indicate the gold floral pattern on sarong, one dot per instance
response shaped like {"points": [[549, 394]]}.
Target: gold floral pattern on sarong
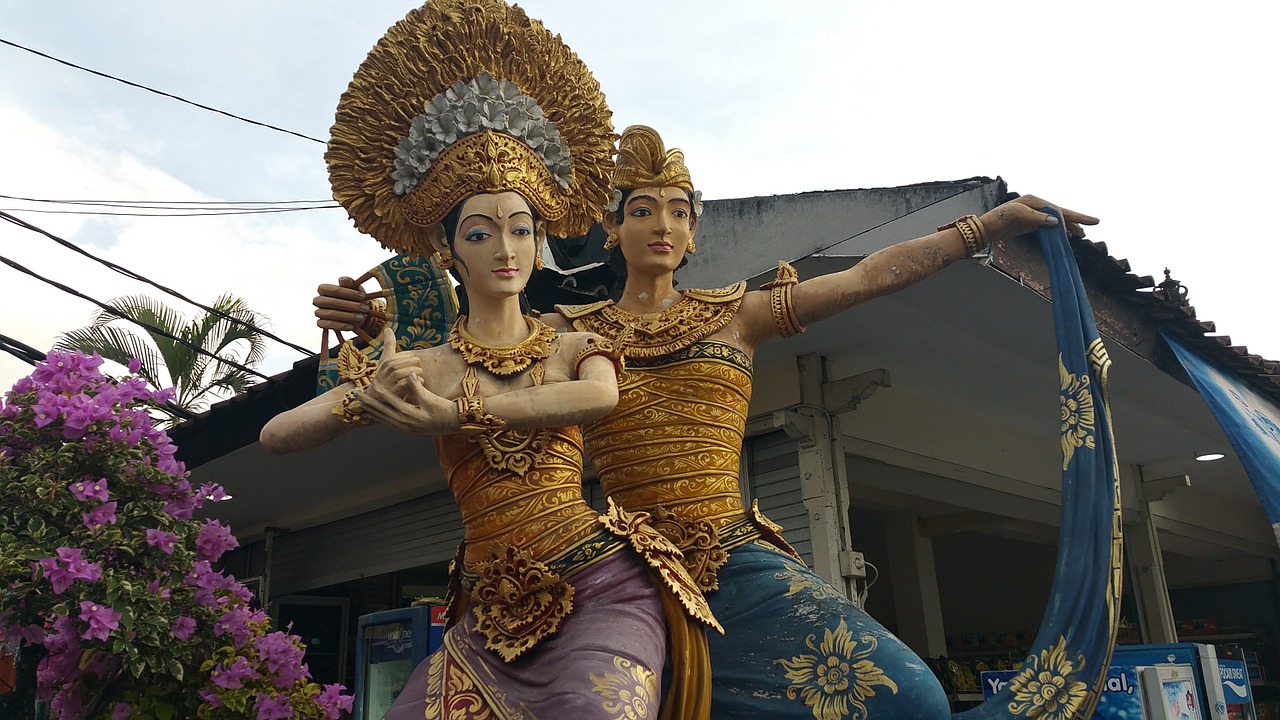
{"points": [[772, 531], [662, 556], [800, 581], [518, 601], [1078, 420], [629, 693], [698, 541], [1046, 688], [448, 679], [836, 680]]}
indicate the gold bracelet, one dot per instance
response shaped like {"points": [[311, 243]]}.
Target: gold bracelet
{"points": [[376, 319], [972, 231], [473, 419]]}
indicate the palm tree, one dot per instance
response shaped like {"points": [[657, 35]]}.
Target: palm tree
{"points": [[197, 378]]}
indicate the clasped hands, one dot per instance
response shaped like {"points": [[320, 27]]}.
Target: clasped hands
{"points": [[397, 395]]}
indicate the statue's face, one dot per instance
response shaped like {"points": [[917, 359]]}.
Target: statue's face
{"points": [[657, 225], [495, 244]]}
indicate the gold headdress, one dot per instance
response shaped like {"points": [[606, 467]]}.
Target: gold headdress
{"points": [[464, 97], [643, 161]]}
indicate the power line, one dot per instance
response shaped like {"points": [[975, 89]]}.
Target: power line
{"points": [[210, 213], [159, 92], [178, 203], [135, 276], [150, 328]]}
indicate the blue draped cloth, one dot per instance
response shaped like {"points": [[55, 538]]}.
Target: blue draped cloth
{"points": [[1062, 677], [1250, 421]]}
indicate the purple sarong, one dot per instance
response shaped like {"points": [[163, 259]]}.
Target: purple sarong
{"points": [[605, 661]]}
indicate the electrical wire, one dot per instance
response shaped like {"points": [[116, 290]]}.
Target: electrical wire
{"points": [[135, 276], [151, 203], [212, 213], [159, 92], [150, 328]]}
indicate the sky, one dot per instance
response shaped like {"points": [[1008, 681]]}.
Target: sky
{"points": [[1155, 117]]}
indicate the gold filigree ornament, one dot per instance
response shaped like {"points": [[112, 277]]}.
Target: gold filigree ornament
{"points": [[1077, 412], [629, 693], [503, 360], [1046, 688], [358, 369], [838, 678], [464, 97], [518, 601], [698, 541], [661, 555]]}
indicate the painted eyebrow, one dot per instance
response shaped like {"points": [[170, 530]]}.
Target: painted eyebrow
{"points": [[479, 215], [634, 198]]}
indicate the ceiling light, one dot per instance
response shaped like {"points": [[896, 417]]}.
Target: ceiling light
{"points": [[1209, 456]]}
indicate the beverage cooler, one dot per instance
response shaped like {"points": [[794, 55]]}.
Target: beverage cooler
{"points": [[389, 645]]}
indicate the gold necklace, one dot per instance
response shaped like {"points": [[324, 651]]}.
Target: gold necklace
{"points": [[503, 360]]}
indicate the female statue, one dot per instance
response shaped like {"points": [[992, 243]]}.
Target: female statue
{"points": [[500, 133]]}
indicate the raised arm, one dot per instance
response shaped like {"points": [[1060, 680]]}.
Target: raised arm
{"points": [[901, 265]]}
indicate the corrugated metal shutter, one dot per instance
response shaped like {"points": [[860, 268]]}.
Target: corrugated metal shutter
{"points": [[773, 478], [416, 532]]}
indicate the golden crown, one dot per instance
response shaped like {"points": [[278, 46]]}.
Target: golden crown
{"points": [[464, 97], [643, 161]]}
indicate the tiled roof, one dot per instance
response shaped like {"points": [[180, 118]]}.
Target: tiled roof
{"points": [[1161, 303]]}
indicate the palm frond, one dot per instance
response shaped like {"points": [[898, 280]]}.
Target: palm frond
{"points": [[118, 345]]}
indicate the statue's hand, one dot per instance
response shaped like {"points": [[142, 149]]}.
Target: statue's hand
{"points": [[341, 307], [398, 397], [1022, 215]]}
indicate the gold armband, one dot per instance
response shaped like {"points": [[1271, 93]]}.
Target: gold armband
{"points": [[473, 419], [601, 347], [780, 303], [970, 227], [349, 411]]}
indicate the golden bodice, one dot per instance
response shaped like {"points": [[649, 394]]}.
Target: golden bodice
{"points": [[540, 510], [675, 438]]}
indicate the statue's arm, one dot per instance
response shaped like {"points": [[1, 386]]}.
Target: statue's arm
{"points": [[307, 426], [898, 266], [400, 399]]}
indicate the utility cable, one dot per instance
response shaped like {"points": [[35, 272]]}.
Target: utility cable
{"points": [[159, 92], [154, 203], [135, 276], [211, 213], [150, 328]]}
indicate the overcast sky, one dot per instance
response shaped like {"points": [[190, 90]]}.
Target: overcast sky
{"points": [[1156, 117]]}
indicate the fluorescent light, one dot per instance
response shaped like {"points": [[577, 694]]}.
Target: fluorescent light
{"points": [[1209, 456]]}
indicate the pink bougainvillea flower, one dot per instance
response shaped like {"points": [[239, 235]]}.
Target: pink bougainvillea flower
{"points": [[332, 702], [101, 620], [270, 708], [183, 626], [161, 539], [104, 514], [214, 540], [87, 489], [121, 711], [233, 677], [68, 567]]}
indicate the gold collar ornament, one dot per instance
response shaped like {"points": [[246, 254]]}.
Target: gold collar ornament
{"points": [[464, 97], [503, 360]]}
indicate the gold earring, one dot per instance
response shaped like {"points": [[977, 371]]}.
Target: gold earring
{"points": [[444, 259], [537, 263], [692, 248], [611, 241]]}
